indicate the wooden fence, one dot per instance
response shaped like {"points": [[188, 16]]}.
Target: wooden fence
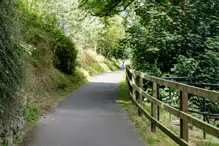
{"points": [[156, 104]]}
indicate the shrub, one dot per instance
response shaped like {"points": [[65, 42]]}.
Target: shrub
{"points": [[38, 29], [203, 69], [65, 52]]}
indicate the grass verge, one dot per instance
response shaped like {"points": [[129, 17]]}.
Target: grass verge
{"points": [[143, 125]]}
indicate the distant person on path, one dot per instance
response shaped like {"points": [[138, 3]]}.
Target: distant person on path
{"points": [[123, 65]]}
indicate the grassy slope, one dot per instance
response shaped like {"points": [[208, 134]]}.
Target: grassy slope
{"points": [[142, 125], [47, 85]]}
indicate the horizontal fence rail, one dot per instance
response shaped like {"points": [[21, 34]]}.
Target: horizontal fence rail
{"points": [[156, 104]]}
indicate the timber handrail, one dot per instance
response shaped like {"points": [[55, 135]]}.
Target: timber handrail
{"points": [[182, 112]]}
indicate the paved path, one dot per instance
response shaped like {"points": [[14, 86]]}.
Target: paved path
{"points": [[91, 116]]}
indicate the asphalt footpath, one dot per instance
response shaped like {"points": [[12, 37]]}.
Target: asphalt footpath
{"points": [[91, 116]]}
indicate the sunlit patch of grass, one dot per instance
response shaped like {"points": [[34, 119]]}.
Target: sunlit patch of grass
{"points": [[92, 63]]}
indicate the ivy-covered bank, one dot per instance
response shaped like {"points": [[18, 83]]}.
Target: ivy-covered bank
{"points": [[12, 73]]}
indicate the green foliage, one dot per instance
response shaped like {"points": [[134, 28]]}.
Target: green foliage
{"points": [[204, 69], [105, 8], [171, 37], [65, 52], [40, 29], [185, 66], [181, 39], [4, 143], [42, 35], [12, 71], [109, 40], [183, 34], [208, 68], [87, 32], [31, 113], [197, 104]]}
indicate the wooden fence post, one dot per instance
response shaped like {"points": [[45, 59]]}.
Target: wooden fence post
{"points": [[158, 97], [204, 116], [170, 95], [127, 80], [153, 108], [184, 131], [133, 81], [140, 95]]}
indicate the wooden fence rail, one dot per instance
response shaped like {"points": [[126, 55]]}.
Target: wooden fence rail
{"points": [[182, 112]]}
